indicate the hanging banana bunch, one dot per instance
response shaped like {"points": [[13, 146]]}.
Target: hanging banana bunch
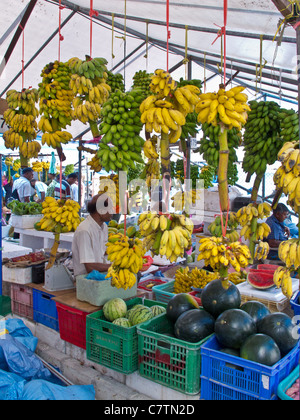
{"points": [[21, 117]]}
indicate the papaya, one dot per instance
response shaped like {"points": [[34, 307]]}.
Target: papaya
{"points": [[113, 224]]}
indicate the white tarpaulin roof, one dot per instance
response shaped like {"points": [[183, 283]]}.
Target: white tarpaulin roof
{"points": [[248, 22]]}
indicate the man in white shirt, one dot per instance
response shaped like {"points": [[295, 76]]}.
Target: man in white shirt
{"points": [[91, 236], [40, 188], [22, 187], [73, 181]]}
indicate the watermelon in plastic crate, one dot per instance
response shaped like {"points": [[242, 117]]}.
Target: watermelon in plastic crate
{"points": [[227, 377], [111, 345]]}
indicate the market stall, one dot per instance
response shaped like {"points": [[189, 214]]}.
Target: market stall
{"points": [[182, 295]]}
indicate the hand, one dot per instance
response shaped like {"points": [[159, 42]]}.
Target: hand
{"points": [[287, 232]]}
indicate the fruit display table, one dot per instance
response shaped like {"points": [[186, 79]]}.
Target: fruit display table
{"points": [[42, 240]]}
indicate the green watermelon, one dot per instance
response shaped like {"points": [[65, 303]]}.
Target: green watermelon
{"points": [[132, 309], [122, 322], [157, 310], [140, 314], [114, 309]]}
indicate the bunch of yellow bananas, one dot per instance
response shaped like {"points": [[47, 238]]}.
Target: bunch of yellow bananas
{"points": [[262, 251], [60, 216], [46, 166], [167, 236], [186, 99], [229, 107], [95, 164], [287, 177], [186, 279], [162, 83], [110, 186], [289, 253], [9, 162], [183, 200], [218, 252], [237, 278], [150, 150], [283, 279], [247, 213], [126, 256], [38, 168], [55, 104], [21, 118], [85, 111], [17, 165], [262, 232], [232, 236]]}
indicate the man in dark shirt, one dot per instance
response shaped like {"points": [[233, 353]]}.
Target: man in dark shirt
{"points": [[65, 192], [279, 232]]}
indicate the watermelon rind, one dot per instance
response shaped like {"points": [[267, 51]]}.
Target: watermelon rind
{"points": [[157, 310], [114, 309], [140, 315], [122, 322], [267, 284]]}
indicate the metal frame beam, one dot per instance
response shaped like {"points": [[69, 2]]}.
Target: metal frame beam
{"points": [[17, 35], [12, 26], [38, 52]]}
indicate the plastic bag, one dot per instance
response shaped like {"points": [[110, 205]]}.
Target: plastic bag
{"points": [[96, 275], [40, 390], [21, 360], [11, 386], [18, 330]]}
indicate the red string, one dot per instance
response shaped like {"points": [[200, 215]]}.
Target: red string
{"points": [[92, 14], [221, 33], [168, 32], [61, 38], [224, 228]]}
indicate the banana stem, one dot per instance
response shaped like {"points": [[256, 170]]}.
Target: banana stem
{"points": [[222, 169], [53, 252], [253, 238], [223, 272], [166, 168], [24, 161], [255, 188], [94, 129]]}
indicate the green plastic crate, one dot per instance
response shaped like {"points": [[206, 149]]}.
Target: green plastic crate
{"points": [[5, 305], [287, 383], [167, 360], [164, 292], [111, 345]]}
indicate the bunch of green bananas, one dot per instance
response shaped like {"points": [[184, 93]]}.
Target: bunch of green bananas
{"points": [[121, 127], [191, 128], [165, 235], [207, 173], [142, 80], [116, 81], [179, 170], [283, 279], [21, 118], [287, 177], [89, 85], [55, 104], [215, 228], [262, 140], [195, 82], [219, 252], [289, 121], [210, 146], [89, 68]]}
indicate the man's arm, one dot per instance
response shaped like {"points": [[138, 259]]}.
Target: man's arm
{"points": [[102, 268], [273, 243]]}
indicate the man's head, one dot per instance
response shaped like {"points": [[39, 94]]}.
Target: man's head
{"points": [[33, 182], [281, 212], [51, 176], [27, 173], [101, 207], [72, 178]]}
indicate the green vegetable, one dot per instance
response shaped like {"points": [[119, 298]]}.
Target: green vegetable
{"points": [[24, 209]]}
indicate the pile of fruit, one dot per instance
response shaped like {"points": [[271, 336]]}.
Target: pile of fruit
{"points": [[121, 144], [89, 86], [38, 167], [115, 227], [126, 256], [55, 104], [207, 174], [219, 252], [167, 236], [142, 80], [184, 200], [115, 81], [21, 118], [33, 257], [60, 216], [117, 312], [24, 209], [185, 279], [262, 139]]}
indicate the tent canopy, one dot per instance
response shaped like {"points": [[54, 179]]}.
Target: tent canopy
{"points": [[124, 32]]}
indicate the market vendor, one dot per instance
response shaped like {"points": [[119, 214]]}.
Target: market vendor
{"points": [[22, 187], [91, 236], [279, 232]]}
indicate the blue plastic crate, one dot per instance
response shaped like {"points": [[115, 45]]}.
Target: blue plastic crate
{"points": [[44, 309], [295, 304], [164, 292], [226, 377]]}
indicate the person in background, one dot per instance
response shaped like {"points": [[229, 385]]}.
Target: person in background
{"points": [[22, 186], [51, 185], [8, 188], [279, 232], [73, 182], [65, 193], [40, 189], [90, 238], [294, 231]]}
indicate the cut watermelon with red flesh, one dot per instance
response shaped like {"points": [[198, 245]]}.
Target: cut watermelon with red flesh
{"points": [[261, 280], [269, 267]]}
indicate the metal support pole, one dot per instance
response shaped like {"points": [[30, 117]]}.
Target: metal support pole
{"points": [[79, 174]]}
